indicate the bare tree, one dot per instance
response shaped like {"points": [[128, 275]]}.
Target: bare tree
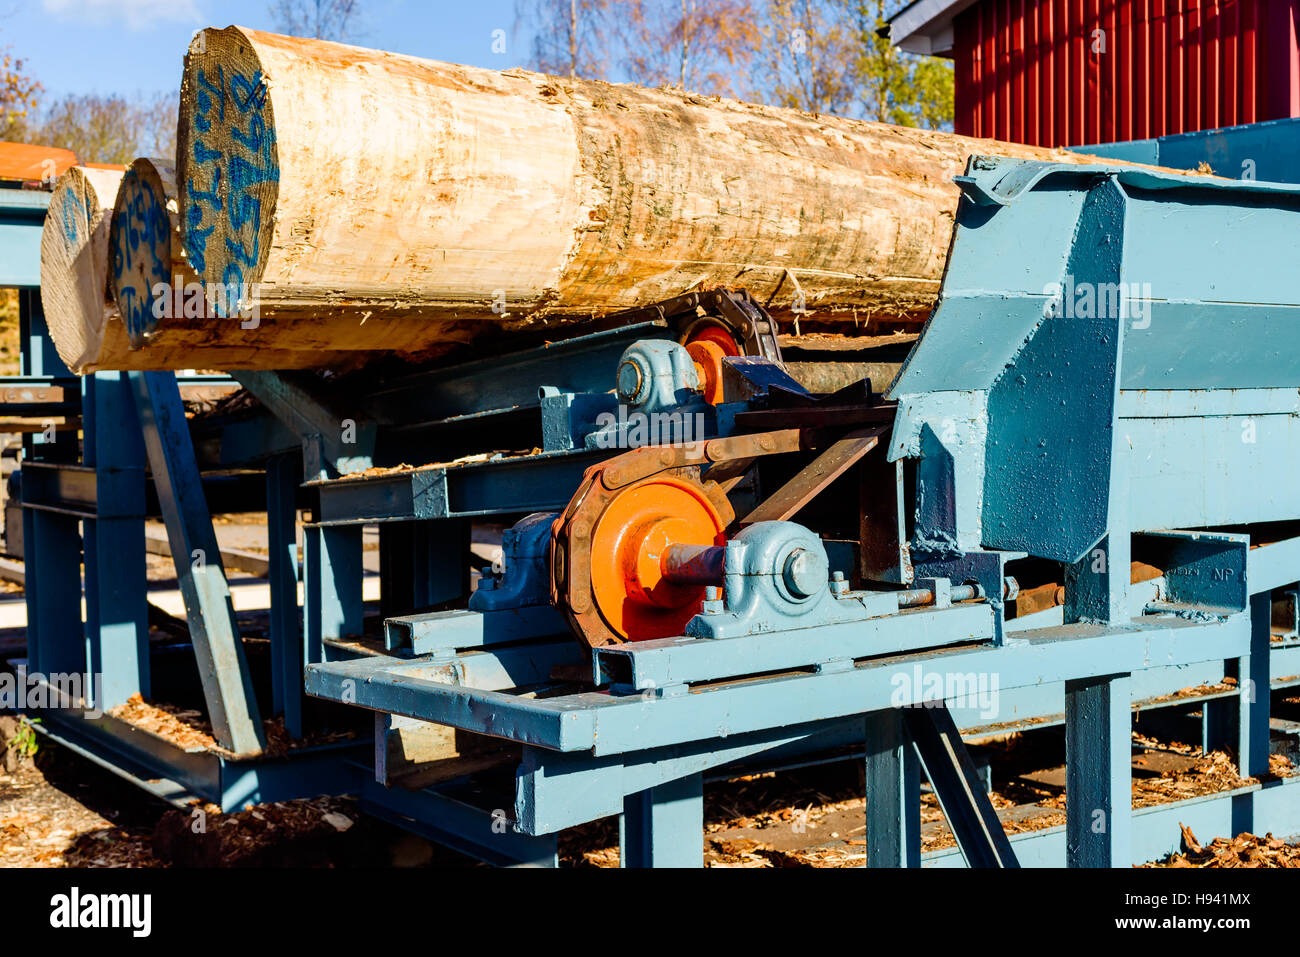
{"points": [[98, 128], [109, 128], [572, 37], [811, 50], [317, 19], [700, 45], [159, 116]]}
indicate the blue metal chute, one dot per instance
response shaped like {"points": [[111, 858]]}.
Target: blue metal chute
{"points": [[1072, 292]]}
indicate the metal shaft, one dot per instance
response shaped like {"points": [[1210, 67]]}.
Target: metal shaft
{"points": [[694, 564]]}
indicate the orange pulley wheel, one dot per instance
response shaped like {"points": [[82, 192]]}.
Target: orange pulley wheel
{"points": [[708, 343], [717, 334], [629, 548]]}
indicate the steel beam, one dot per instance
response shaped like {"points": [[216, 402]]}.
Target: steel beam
{"points": [[663, 826], [345, 442], [117, 615], [612, 724], [893, 785], [52, 559], [1099, 771], [962, 794], [283, 475], [1253, 685], [332, 577]]}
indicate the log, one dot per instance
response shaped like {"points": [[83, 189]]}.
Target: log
{"points": [[82, 317], [79, 241], [146, 250], [374, 202], [167, 316]]}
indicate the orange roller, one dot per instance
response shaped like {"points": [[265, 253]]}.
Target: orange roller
{"points": [[628, 545]]}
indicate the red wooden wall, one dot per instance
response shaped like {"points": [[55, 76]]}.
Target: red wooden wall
{"points": [[1038, 72]]}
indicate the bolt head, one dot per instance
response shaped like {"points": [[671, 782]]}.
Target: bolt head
{"points": [[630, 378], [805, 572]]}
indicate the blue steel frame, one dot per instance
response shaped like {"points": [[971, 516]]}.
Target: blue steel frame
{"points": [[92, 499]]}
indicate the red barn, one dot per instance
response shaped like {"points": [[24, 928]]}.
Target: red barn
{"points": [[1073, 72]]}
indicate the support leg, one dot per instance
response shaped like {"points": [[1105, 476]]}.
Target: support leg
{"points": [[283, 475], [1253, 682], [117, 610], [893, 793], [1098, 772], [332, 578], [52, 544], [664, 826], [117, 616]]}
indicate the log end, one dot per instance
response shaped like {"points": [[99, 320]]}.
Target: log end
{"points": [[228, 166], [74, 267], [141, 243]]}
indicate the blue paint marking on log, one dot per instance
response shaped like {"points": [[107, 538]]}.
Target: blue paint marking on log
{"points": [[143, 231], [230, 201], [69, 223]]}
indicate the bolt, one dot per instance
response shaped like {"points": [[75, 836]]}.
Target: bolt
{"points": [[630, 378], [713, 604], [805, 572]]}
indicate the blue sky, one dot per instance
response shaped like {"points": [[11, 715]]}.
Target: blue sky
{"points": [[124, 46]]}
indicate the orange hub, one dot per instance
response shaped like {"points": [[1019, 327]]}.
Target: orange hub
{"points": [[708, 356], [627, 552]]}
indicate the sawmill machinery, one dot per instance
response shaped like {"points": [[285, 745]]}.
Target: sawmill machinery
{"points": [[1104, 367], [707, 566]]}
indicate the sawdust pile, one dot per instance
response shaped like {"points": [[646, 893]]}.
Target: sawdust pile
{"points": [[1244, 850], [188, 729], [182, 727]]}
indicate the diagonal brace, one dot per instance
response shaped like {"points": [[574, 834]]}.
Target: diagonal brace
{"points": [[821, 472], [227, 684], [958, 787]]}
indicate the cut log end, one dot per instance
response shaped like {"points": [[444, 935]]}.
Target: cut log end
{"points": [[228, 163], [83, 321], [144, 246]]}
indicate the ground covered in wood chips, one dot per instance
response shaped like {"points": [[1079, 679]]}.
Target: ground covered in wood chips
{"points": [[63, 811], [814, 817], [1244, 850]]}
